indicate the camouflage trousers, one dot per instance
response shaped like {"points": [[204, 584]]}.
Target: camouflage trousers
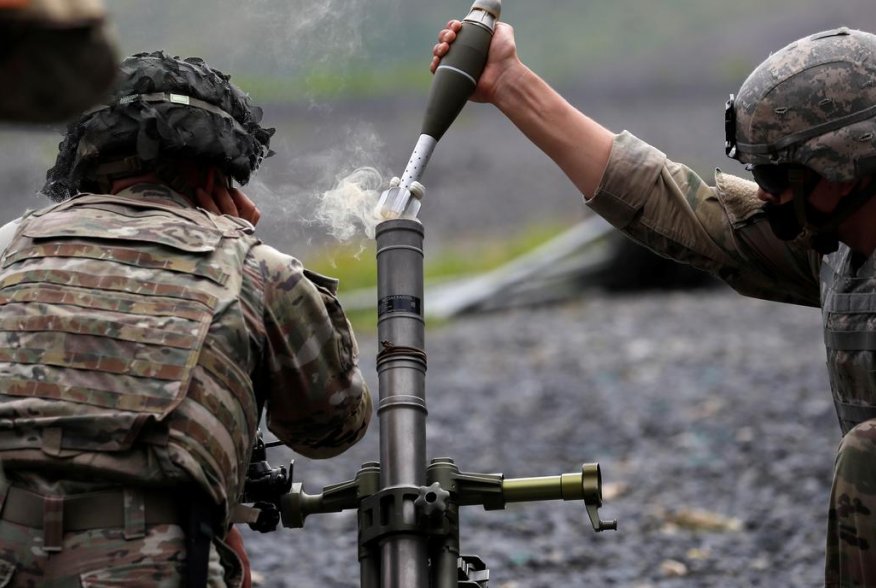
{"points": [[103, 558], [851, 534]]}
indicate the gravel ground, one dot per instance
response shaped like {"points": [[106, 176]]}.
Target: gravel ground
{"points": [[709, 414]]}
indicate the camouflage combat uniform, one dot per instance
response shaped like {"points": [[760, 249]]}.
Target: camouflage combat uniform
{"points": [[139, 337], [722, 229]]}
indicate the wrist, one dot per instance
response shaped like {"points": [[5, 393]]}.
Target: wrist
{"points": [[512, 88]]}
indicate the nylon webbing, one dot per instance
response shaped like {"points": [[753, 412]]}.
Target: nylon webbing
{"points": [[168, 97], [785, 142], [850, 340], [851, 415]]}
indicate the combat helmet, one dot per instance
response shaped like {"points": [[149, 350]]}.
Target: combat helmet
{"points": [[162, 109], [812, 103], [57, 58]]}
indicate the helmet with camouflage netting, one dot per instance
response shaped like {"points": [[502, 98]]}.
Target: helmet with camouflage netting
{"points": [[163, 109], [812, 103]]}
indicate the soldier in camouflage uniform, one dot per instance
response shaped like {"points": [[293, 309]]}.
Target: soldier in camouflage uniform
{"points": [[57, 58], [803, 232], [142, 334]]}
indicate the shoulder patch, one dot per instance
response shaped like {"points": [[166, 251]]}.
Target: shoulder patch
{"points": [[738, 196]]}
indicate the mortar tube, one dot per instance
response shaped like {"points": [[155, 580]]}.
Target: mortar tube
{"points": [[401, 369]]}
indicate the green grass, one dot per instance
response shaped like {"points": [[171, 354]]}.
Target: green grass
{"points": [[356, 266], [329, 84], [564, 40]]}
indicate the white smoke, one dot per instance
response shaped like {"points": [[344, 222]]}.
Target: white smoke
{"points": [[318, 32], [347, 193], [350, 206], [330, 182], [310, 196]]}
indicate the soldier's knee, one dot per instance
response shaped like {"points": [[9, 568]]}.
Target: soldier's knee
{"points": [[857, 450]]}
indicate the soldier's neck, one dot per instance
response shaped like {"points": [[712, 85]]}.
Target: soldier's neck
{"points": [[122, 183], [857, 231]]}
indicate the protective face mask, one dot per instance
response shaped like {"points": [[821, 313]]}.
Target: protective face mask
{"points": [[784, 224], [783, 220]]}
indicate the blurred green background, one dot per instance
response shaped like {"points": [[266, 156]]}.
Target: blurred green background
{"points": [[304, 49], [344, 82]]}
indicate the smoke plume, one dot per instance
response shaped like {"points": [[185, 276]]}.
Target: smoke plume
{"points": [[349, 207], [332, 185], [313, 33]]}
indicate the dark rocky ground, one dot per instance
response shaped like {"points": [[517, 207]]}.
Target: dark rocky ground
{"points": [[709, 414]]}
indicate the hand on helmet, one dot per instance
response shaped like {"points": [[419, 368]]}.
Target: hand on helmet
{"points": [[219, 197]]}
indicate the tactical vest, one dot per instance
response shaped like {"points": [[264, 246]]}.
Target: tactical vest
{"points": [[124, 352], [848, 303]]}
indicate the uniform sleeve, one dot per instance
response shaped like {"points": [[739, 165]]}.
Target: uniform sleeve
{"points": [[7, 232], [668, 208], [317, 401]]}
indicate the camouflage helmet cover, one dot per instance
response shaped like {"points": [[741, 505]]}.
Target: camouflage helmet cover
{"points": [[163, 108], [811, 103]]}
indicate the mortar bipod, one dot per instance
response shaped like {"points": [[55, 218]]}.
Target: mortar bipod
{"points": [[437, 510]]}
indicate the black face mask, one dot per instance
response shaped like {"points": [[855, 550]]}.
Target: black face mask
{"points": [[783, 220], [785, 225]]}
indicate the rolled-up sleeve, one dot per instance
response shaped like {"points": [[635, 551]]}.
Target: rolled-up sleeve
{"points": [[721, 229]]}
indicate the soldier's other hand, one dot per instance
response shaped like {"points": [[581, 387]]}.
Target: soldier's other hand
{"points": [[219, 198], [246, 208]]}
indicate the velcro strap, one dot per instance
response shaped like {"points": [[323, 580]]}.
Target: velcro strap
{"points": [[852, 415], [53, 523], [850, 340], [94, 510], [135, 514]]}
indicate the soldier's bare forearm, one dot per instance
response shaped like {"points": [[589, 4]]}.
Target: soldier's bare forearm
{"points": [[576, 143]]}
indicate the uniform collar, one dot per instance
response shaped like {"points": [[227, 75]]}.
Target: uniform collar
{"points": [[150, 191]]}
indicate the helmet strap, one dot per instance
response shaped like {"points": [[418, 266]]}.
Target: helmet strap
{"points": [[170, 174], [104, 174], [167, 171]]}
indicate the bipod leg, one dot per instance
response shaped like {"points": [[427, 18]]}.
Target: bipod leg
{"points": [[369, 568], [450, 569], [444, 548], [444, 552]]}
